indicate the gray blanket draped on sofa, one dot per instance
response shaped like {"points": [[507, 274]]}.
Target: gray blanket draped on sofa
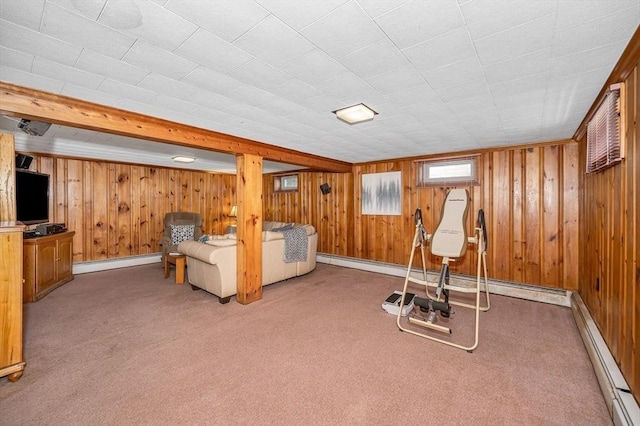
{"points": [[296, 243]]}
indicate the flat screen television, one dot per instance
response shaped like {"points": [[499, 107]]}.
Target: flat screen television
{"points": [[32, 197]]}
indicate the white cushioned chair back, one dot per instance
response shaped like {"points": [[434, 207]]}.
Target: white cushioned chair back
{"points": [[450, 236]]}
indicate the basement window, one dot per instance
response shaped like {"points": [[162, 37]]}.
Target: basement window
{"points": [[603, 133], [285, 183], [448, 172]]}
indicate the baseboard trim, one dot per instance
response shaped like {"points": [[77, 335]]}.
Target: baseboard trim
{"points": [[621, 404], [121, 262], [521, 291]]}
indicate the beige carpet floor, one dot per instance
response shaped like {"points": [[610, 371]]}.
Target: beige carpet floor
{"points": [[127, 347]]}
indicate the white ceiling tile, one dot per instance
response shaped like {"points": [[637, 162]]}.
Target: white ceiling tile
{"points": [[350, 88], [518, 111], [167, 86], [377, 58], [512, 69], [468, 117], [298, 14], [88, 8], [396, 80], [282, 107], [211, 80], [314, 67], [485, 18], [34, 43], [601, 57], [343, 31], [14, 59], [88, 95], [260, 74], [108, 67], [212, 52], [147, 21], [531, 84], [274, 42], [375, 8], [25, 13], [296, 91], [509, 100], [575, 12], [515, 42], [56, 71], [154, 59], [251, 95], [83, 32], [416, 21], [227, 19], [126, 91], [279, 86], [28, 79], [577, 81], [443, 50], [174, 105], [208, 99], [414, 95], [610, 29], [479, 103], [454, 74]]}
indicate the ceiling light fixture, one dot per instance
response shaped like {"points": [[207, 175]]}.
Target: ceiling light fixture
{"points": [[181, 159], [355, 114]]}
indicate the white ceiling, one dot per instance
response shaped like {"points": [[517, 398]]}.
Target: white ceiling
{"points": [[444, 75]]}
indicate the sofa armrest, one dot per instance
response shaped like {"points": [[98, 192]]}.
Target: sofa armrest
{"points": [[165, 241]]}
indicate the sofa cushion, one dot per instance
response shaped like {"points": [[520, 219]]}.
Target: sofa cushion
{"points": [[222, 242], [180, 233]]}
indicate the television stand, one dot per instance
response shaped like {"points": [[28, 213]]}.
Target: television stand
{"points": [[48, 264]]}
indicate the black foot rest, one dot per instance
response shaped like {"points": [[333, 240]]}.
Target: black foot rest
{"points": [[428, 305]]}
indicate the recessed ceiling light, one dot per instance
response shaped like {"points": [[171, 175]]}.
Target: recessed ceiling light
{"points": [[181, 159], [355, 114]]}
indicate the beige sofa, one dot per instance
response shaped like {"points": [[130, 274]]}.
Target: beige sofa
{"points": [[211, 266]]}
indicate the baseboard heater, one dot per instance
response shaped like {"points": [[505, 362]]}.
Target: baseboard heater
{"points": [[622, 406]]}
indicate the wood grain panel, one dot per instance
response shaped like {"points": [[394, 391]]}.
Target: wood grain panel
{"points": [[7, 178], [532, 230], [609, 256], [117, 210]]}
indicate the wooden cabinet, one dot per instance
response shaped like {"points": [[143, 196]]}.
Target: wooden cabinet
{"points": [[11, 359], [48, 263]]}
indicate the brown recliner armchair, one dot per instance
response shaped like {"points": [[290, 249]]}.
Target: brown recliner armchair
{"points": [[179, 219]]}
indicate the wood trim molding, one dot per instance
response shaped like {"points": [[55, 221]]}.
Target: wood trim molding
{"points": [[621, 71], [23, 102]]}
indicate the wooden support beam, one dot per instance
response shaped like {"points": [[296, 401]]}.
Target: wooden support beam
{"points": [[249, 228], [7, 178], [23, 102]]}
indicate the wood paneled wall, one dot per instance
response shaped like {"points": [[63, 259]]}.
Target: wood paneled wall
{"points": [[331, 214], [609, 250], [528, 194], [117, 210]]}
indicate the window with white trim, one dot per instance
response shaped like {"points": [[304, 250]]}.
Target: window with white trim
{"points": [[448, 172], [603, 133], [285, 183]]}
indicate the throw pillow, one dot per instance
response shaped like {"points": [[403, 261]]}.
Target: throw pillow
{"points": [[180, 233], [283, 228]]}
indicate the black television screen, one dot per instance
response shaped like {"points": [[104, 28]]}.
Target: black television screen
{"points": [[32, 197]]}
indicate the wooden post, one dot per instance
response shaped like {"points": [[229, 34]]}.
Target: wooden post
{"points": [[7, 178], [249, 228]]}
